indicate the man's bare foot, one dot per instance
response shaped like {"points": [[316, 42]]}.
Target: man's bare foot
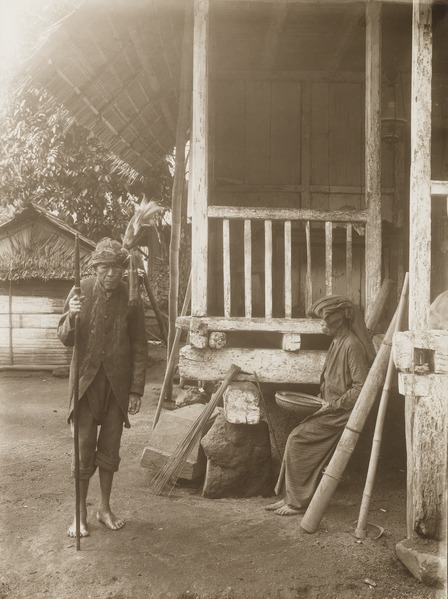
{"points": [[274, 506], [83, 531], [109, 520], [289, 510]]}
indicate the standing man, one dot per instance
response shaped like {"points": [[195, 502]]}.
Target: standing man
{"points": [[112, 361], [311, 444]]}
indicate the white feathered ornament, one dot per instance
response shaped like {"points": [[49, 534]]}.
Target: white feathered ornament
{"points": [[144, 217]]}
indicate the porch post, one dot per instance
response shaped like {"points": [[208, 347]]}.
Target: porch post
{"points": [[373, 151], [198, 184], [420, 183]]}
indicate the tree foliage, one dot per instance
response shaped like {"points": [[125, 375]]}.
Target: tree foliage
{"points": [[47, 158]]}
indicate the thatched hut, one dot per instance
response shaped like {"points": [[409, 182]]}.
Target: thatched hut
{"points": [[36, 273]]}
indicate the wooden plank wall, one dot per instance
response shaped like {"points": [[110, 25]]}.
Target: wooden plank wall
{"points": [[291, 143], [36, 309]]}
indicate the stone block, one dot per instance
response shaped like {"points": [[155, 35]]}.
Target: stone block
{"points": [[242, 403], [198, 340], [238, 460], [425, 560], [217, 340], [291, 342], [171, 429]]}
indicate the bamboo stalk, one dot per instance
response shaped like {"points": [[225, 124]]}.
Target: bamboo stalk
{"points": [[361, 529], [349, 259], [172, 358], [332, 475]]}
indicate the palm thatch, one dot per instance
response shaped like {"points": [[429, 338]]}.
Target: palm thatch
{"points": [[114, 64], [37, 245]]}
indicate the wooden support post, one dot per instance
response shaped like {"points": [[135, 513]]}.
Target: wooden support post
{"points": [[420, 192], [373, 151], [183, 123], [198, 185]]}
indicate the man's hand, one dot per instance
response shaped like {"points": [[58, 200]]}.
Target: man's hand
{"points": [[135, 401], [74, 305]]}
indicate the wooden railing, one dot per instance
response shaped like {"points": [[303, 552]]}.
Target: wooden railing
{"points": [[328, 219]]}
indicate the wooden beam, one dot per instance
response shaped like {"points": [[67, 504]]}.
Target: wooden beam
{"points": [[198, 187], [226, 268], [271, 365], [258, 75], [328, 258], [299, 326], [308, 276], [439, 188], [373, 152], [324, 2], [288, 269], [420, 183], [335, 216]]}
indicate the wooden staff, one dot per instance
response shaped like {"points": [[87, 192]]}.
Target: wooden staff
{"points": [[77, 290], [173, 356], [361, 529], [333, 472]]}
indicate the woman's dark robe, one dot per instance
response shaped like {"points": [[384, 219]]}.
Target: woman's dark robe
{"points": [[311, 444]]}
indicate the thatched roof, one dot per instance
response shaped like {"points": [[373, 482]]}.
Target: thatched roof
{"points": [[114, 64], [37, 245]]}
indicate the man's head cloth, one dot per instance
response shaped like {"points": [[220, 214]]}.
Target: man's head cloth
{"points": [[109, 251]]}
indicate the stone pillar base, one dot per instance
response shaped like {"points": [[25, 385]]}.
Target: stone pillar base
{"points": [[425, 560], [238, 460]]}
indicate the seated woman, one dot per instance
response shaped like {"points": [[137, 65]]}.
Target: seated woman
{"points": [[311, 444]]}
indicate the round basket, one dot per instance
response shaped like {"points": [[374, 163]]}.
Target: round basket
{"points": [[299, 404]]}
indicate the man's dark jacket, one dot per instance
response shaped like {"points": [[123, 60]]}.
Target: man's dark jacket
{"points": [[110, 332]]}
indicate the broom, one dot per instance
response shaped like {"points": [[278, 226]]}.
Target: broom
{"points": [[172, 468]]}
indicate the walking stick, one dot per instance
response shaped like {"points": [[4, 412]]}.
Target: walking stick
{"points": [[361, 529], [76, 399]]}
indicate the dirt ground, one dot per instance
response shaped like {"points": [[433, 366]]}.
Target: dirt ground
{"points": [[181, 546]]}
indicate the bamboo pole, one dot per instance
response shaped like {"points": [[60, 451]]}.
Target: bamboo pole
{"points": [[361, 529], [332, 475], [173, 356], [183, 121], [11, 346]]}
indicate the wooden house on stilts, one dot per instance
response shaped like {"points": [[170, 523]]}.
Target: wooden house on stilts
{"points": [[318, 158]]}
